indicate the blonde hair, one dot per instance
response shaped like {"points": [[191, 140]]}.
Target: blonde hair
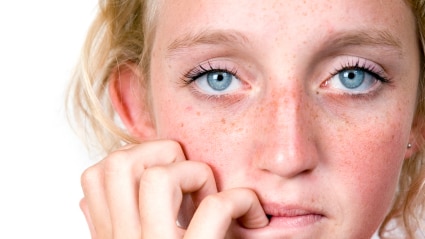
{"points": [[123, 32], [120, 34]]}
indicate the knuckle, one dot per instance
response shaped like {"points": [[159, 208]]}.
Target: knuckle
{"points": [[246, 193], [172, 146], [218, 203], [90, 177], [116, 162], [204, 168]]}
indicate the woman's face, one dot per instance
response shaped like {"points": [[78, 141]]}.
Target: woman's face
{"points": [[307, 103]]}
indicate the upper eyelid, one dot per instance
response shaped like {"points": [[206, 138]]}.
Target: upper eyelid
{"points": [[354, 62], [210, 66]]}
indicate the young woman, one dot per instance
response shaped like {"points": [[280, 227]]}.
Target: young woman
{"points": [[254, 119]]}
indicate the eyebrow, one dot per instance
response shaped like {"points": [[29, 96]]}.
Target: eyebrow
{"points": [[369, 38], [338, 40], [208, 37]]}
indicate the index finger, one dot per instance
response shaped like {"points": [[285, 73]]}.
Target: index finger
{"points": [[216, 213], [161, 193]]}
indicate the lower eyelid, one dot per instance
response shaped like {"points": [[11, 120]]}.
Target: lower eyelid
{"points": [[361, 93], [224, 100]]}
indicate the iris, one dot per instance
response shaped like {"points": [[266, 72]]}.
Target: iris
{"points": [[219, 80], [352, 78]]}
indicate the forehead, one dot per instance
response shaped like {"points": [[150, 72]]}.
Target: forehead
{"points": [[274, 19]]}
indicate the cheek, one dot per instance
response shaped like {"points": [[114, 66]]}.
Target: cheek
{"points": [[211, 136], [365, 165]]}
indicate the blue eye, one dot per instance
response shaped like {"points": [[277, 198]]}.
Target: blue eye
{"points": [[356, 76], [355, 81], [352, 78], [219, 80]]}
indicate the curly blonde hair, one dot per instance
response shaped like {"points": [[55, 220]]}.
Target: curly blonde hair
{"points": [[122, 33]]}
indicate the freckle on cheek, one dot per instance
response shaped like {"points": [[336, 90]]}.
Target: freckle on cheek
{"points": [[261, 109]]}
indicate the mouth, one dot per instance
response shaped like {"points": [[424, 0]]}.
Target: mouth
{"points": [[288, 220], [293, 221], [292, 217]]}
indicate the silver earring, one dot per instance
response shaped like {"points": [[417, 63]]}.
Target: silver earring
{"points": [[409, 145]]}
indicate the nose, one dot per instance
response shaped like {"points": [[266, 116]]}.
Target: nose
{"points": [[286, 143]]}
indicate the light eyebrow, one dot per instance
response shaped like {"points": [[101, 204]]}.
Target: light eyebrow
{"points": [[372, 38], [208, 37]]}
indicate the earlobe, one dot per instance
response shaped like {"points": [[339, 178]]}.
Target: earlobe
{"points": [[129, 98], [416, 139], [411, 149]]}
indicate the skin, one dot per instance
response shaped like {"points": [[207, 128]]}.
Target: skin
{"points": [[287, 143]]}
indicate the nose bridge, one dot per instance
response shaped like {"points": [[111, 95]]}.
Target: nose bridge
{"points": [[286, 107], [286, 144]]}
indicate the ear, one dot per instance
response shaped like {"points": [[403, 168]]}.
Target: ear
{"points": [[129, 97]]}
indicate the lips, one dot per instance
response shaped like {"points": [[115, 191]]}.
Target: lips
{"points": [[292, 216], [286, 221]]}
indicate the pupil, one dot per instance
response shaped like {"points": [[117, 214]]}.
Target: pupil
{"points": [[220, 77], [351, 75]]}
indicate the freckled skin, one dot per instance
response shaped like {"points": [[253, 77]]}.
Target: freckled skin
{"points": [[287, 139]]}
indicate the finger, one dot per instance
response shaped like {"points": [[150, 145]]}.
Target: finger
{"points": [[161, 192], [123, 170], [95, 204], [85, 209], [150, 153], [216, 212]]}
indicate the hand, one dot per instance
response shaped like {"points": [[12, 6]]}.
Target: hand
{"points": [[137, 191]]}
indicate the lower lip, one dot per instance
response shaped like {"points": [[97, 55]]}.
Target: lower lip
{"points": [[284, 227], [295, 221]]}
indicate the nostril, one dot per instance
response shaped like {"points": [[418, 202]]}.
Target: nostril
{"points": [[307, 171]]}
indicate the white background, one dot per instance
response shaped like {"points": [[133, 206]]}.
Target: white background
{"points": [[41, 159]]}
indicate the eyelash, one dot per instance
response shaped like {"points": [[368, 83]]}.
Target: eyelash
{"points": [[370, 69], [202, 70]]}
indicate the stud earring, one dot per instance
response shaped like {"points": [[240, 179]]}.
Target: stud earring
{"points": [[409, 145]]}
